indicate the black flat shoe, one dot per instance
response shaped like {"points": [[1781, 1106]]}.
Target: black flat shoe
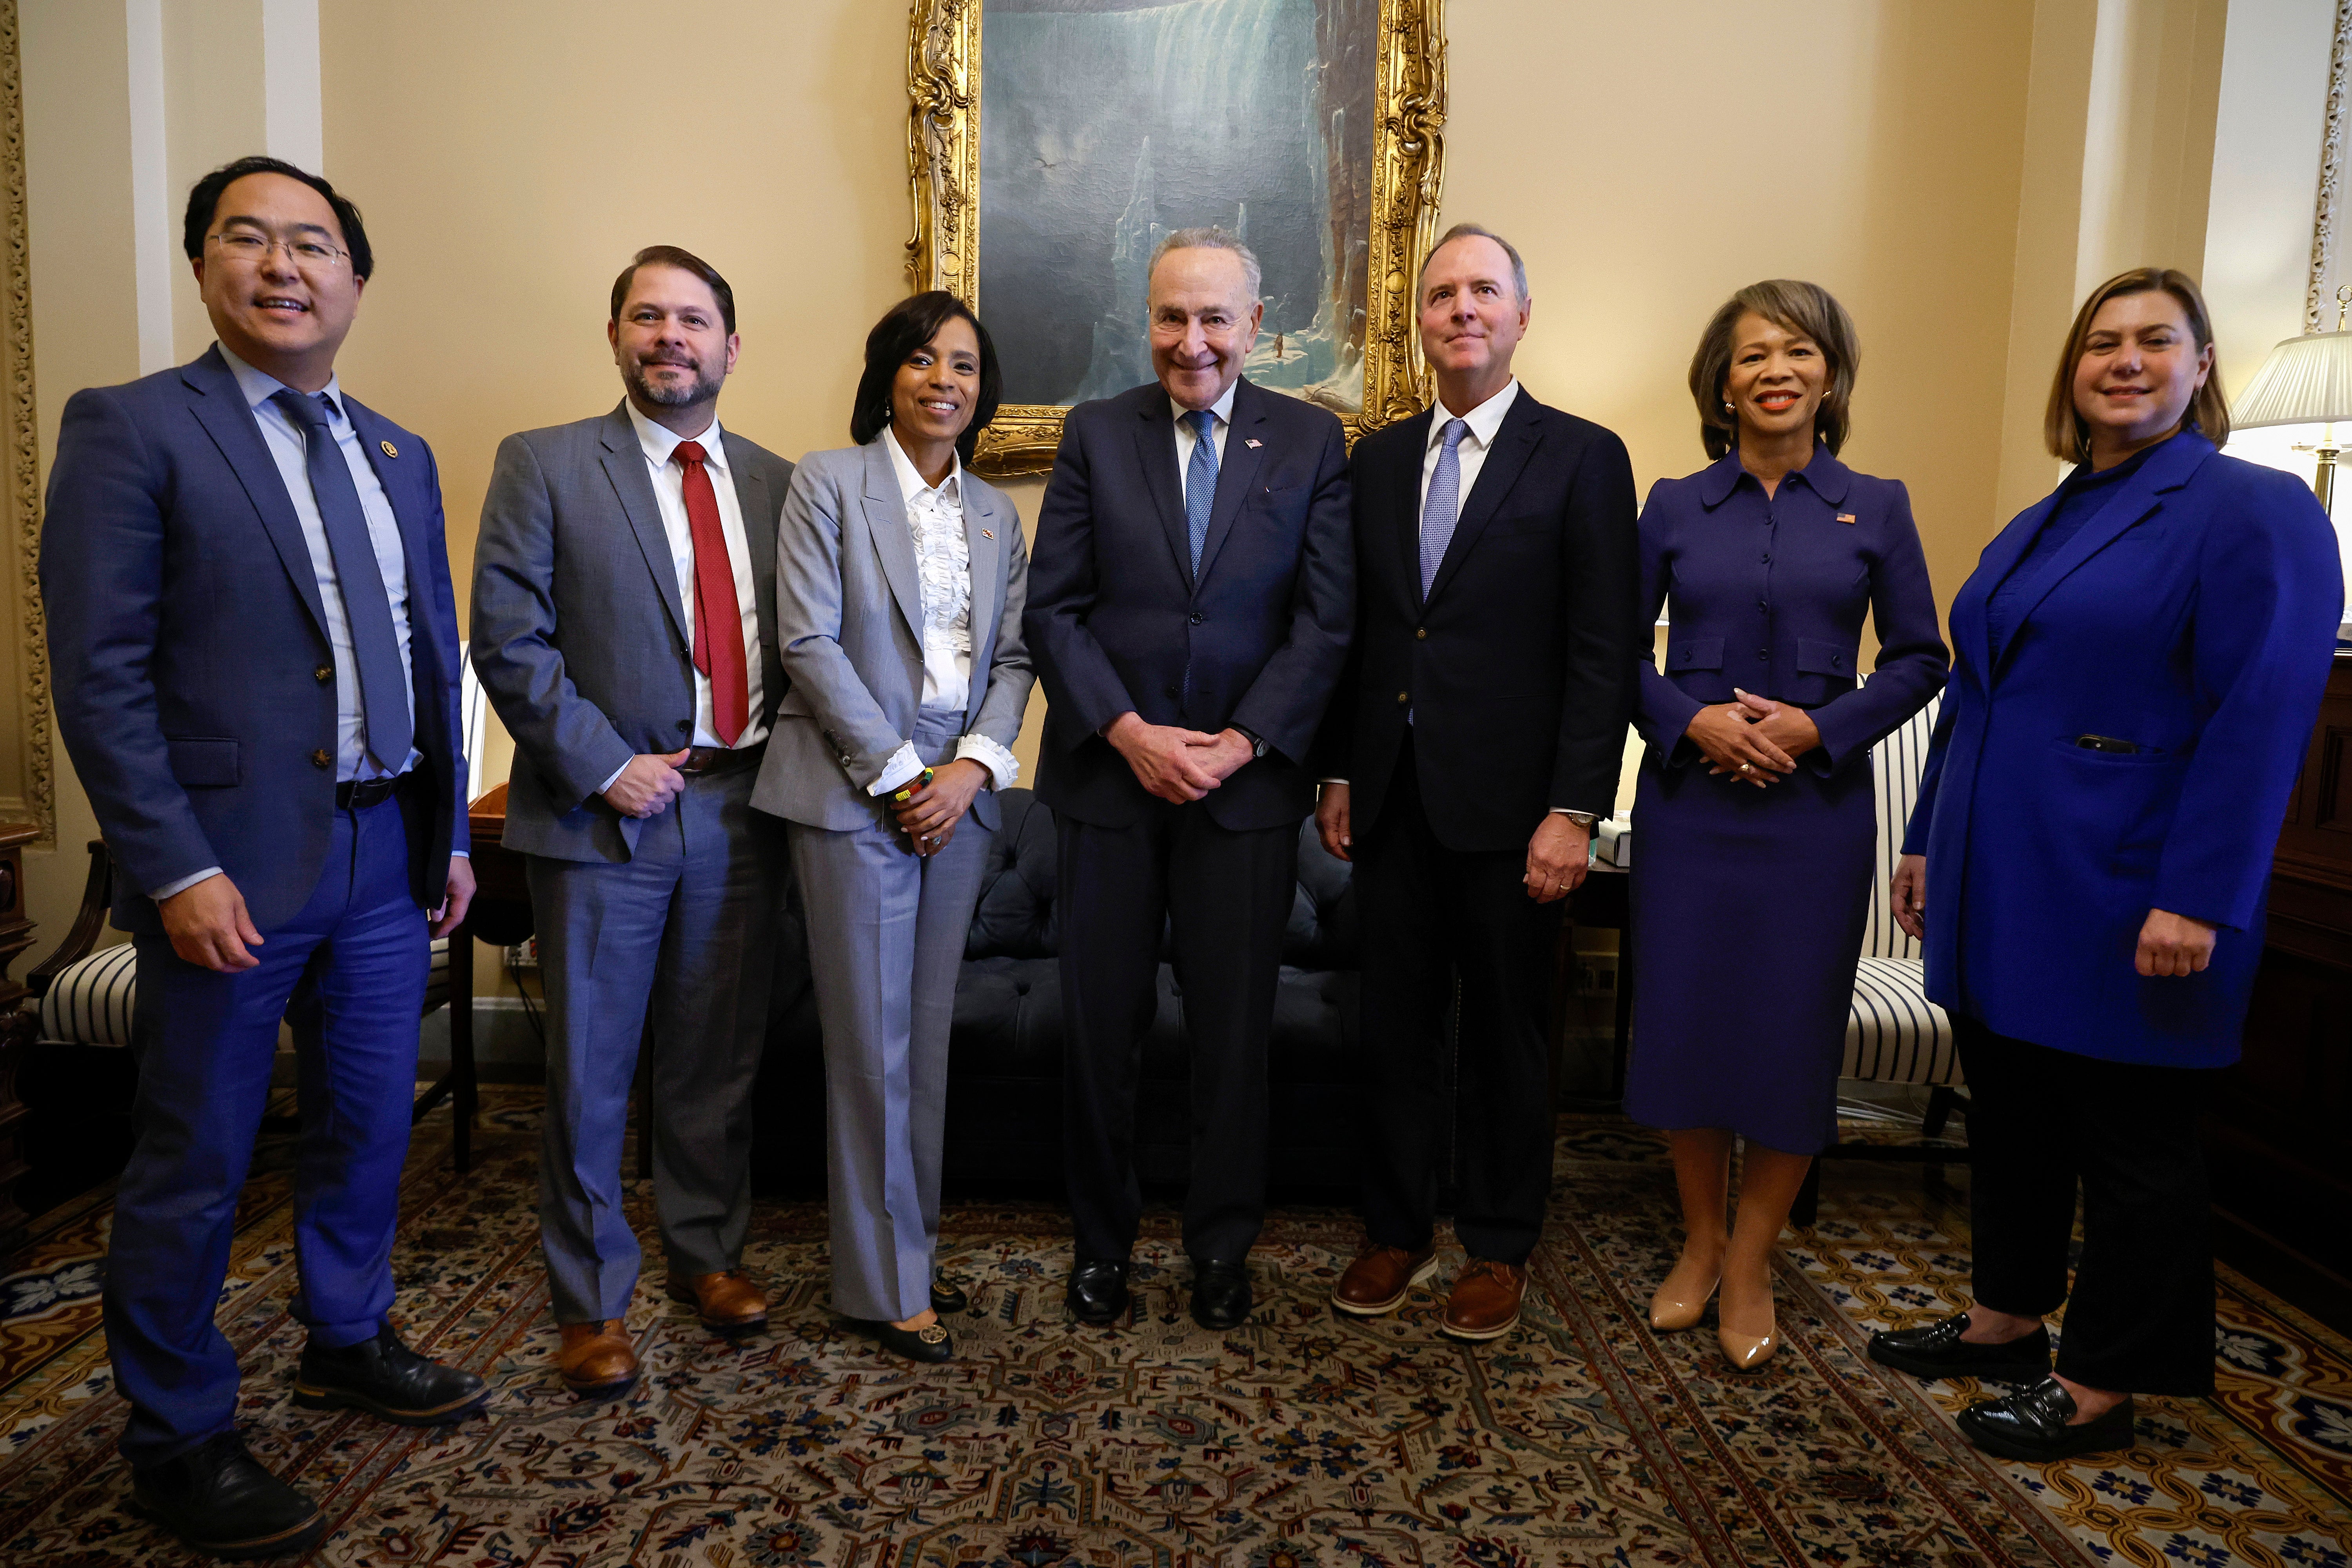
{"points": [[2032, 1425], [947, 1296], [1220, 1294], [387, 1380], [223, 1504], [1098, 1293], [1935, 1349], [930, 1346]]}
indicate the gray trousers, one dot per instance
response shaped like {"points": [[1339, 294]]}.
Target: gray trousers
{"points": [[886, 943], [688, 926]]}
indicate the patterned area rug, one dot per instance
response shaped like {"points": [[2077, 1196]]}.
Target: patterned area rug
{"points": [[1300, 1440]]}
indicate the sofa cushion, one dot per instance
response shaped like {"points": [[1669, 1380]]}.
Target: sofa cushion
{"points": [[1014, 916]]}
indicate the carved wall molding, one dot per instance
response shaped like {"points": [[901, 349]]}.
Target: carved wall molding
{"points": [[943, 90], [37, 785], [2320, 292]]}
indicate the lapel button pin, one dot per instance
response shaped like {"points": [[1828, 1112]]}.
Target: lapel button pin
{"points": [[391, 451], [1252, 444], [1845, 517], [984, 533]]}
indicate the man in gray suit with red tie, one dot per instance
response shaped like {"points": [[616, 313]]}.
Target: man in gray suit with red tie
{"points": [[625, 628]]}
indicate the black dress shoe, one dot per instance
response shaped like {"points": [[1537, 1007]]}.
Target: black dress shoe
{"points": [[386, 1379], [931, 1345], [948, 1296], [223, 1504], [1220, 1294], [1097, 1292], [2032, 1425], [1937, 1350]]}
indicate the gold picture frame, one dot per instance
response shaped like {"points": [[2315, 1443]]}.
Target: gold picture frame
{"points": [[943, 137]]}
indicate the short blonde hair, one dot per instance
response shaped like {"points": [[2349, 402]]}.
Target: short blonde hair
{"points": [[1808, 311], [2063, 427]]}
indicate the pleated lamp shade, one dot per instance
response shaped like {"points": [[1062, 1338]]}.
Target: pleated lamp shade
{"points": [[2305, 381]]}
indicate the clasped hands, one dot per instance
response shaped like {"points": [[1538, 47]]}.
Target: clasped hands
{"points": [[1755, 738], [1175, 763], [927, 812]]}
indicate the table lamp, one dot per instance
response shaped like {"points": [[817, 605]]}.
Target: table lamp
{"points": [[2305, 381]]}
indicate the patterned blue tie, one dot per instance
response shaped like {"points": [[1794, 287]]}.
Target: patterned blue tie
{"points": [[1201, 480], [1443, 508], [384, 705]]}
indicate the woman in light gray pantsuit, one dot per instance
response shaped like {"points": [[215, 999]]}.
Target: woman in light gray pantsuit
{"points": [[899, 585]]}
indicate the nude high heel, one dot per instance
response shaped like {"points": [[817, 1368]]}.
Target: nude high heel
{"points": [[1681, 1300], [1748, 1351]]}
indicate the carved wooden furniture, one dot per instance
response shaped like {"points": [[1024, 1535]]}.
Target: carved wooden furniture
{"points": [[2279, 1135], [15, 1025]]}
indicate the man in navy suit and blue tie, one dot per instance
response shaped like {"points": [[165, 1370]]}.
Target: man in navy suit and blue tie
{"points": [[255, 656], [1189, 599]]}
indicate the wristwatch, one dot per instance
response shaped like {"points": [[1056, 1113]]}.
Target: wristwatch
{"points": [[1583, 819], [1258, 741]]}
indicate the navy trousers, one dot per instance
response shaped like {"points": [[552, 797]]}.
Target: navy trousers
{"points": [[207, 1043]]}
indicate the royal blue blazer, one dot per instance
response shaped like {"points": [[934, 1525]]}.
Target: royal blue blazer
{"points": [[2194, 616], [195, 683], [1772, 602]]}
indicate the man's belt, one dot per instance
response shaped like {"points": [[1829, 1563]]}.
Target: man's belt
{"points": [[360, 794], [702, 759]]}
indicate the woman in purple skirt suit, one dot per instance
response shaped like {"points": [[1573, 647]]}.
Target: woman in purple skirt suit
{"points": [[1756, 827]]}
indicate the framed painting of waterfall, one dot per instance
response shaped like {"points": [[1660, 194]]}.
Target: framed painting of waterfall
{"points": [[1052, 143]]}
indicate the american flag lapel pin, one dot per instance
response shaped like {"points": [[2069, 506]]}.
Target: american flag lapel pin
{"points": [[986, 533], [1251, 443], [1845, 517]]}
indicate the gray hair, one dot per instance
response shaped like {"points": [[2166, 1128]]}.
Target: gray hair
{"points": [[1213, 237], [1473, 231]]}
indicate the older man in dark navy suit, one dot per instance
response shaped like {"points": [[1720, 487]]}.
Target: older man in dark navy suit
{"points": [[1189, 598], [255, 652]]}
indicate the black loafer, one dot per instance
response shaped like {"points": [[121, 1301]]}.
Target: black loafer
{"points": [[2032, 1425], [1220, 1294], [948, 1296], [930, 1346], [223, 1504], [1935, 1349], [387, 1380], [1098, 1293]]}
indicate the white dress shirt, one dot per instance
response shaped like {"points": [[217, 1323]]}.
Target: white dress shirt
{"points": [[1186, 440], [658, 443], [288, 451], [1484, 422], [943, 578]]}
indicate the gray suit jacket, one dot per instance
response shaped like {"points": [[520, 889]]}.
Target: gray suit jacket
{"points": [[850, 608], [579, 635]]}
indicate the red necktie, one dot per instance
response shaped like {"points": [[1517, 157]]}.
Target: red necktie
{"points": [[720, 657]]}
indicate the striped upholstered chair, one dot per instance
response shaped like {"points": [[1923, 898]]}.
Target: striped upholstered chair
{"points": [[1894, 1035]]}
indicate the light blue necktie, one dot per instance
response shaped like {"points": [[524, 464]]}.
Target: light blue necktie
{"points": [[384, 704], [1443, 508], [1201, 480]]}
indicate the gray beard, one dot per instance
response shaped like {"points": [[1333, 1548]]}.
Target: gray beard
{"points": [[702, 390]]}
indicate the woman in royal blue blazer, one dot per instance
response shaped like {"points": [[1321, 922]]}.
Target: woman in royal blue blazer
{"points": [[1757, 828], [2140, 661]]}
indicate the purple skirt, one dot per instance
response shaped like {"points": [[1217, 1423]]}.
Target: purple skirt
{"points": [[1749, 908]]}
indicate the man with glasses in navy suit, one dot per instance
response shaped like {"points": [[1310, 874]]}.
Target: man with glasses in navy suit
{"points": [[256, 655]]}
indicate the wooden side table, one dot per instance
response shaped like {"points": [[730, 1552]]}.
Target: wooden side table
{"points": [[18, 1026]]}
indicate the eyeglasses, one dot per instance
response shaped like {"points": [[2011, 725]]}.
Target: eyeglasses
{"points": [[240, 246]]}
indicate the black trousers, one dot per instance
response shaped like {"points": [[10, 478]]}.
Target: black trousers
{"points": [[1227, 897], [2141, 1319], [1431, 915]]}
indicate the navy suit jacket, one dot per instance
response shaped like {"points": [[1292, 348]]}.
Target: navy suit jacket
{"points": [[2194, 616], [188, 645], [1117, 622], [1777, 610], [1517, 667]]}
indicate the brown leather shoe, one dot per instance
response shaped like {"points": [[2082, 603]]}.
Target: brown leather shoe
{"points": [[1380, 1278], [597, 1359], [1486, 1301], [726, 1301]]}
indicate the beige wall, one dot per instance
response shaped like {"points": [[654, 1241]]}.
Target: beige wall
{"points": [[1954, 173]]}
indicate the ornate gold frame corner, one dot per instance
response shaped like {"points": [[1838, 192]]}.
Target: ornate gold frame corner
{"points": [[34, 788], [943, 87]]}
